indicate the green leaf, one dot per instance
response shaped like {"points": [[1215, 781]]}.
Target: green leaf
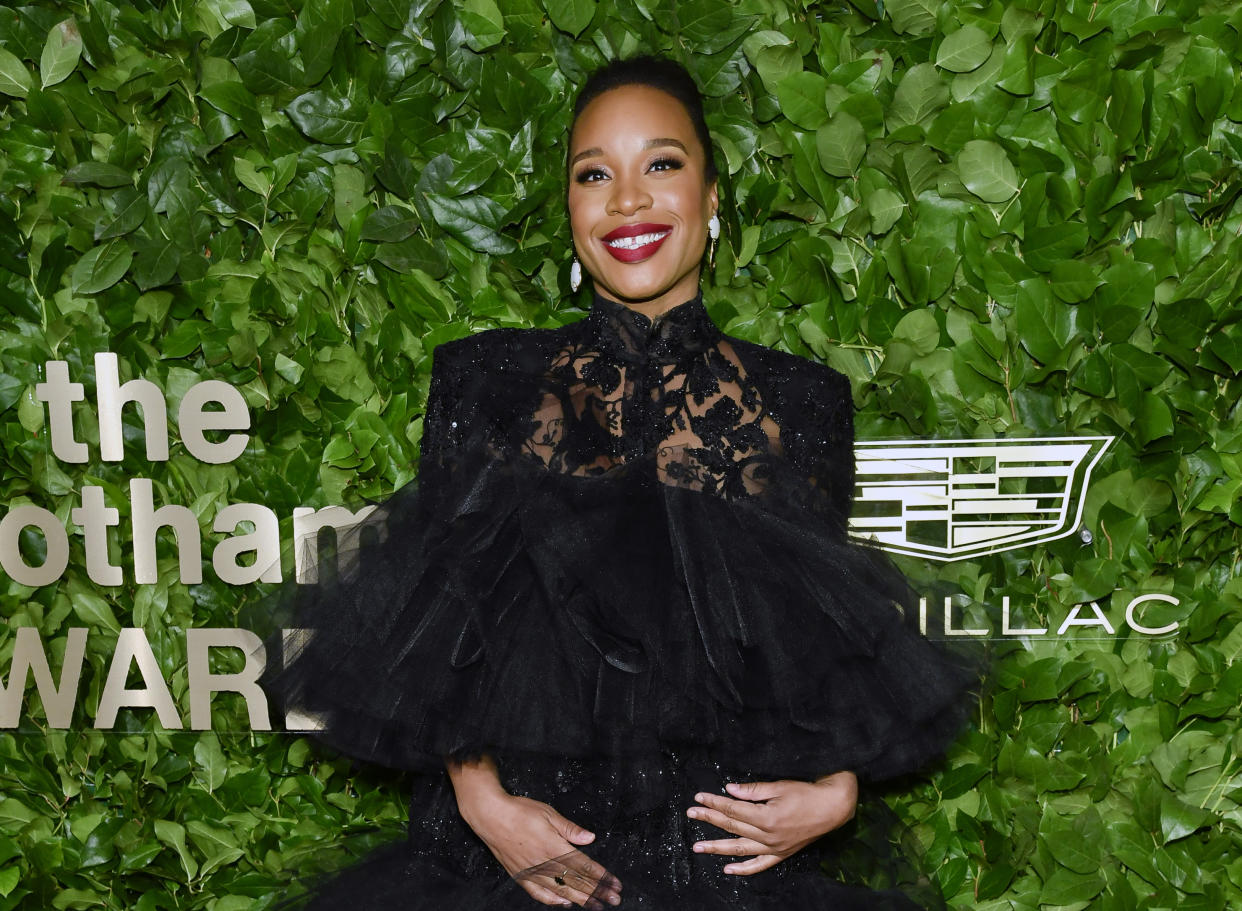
{"points": [[173, 834], [218, 845], [912, 16], [233, 12], [801, 96], [156, 264], [964, 50], [212, 767], [571, 16], [1073, 281], [413, 253], [1046, 247], [61, 52], [390, 224], [9, 878], [320, 26], [251, 177], [99, 174], [132, 208], [327, 118], [1071, 850], [840, 145], [101, 268], [918, 328], [885, 207], [290, 369], [1154, 419], [14, 77], [709, 26], [471, 220], [348, 193], [1040, 321], [1065, 887], [94, 611], [919, 96], [484, 22], [986, 171], [76, 898], [777, 62], [1179, 819]]}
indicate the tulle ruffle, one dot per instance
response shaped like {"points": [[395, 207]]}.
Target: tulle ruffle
{"points": [[524, 611]]}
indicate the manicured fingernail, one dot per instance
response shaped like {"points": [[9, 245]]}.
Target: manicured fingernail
{"points": [[698, 847]]}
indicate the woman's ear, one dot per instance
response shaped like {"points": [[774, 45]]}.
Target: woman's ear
{"points": [[713, 198]]}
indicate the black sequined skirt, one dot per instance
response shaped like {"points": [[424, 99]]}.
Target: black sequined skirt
{"points": [[643, 838]]}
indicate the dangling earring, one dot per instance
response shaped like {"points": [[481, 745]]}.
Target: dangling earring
{"points": [[713, 230], [575, 275]]}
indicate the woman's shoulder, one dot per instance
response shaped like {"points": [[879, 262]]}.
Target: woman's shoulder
{"points": [[500, 344], [800, 378]]}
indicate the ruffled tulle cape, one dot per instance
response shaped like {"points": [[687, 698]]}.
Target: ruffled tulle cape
{"points": [[615, 616], [629, 629]]}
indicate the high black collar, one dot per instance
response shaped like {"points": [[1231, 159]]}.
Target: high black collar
{"points": [[683, 329]]}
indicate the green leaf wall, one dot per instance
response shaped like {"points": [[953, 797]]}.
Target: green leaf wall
{"points": [[999, 219]]}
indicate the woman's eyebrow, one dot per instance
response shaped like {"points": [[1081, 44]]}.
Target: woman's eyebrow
{"points": [[586, 153], [653, 143], [649, 144]]}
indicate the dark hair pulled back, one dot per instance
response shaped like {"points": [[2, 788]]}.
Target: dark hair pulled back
{"points": [[656, 72]]}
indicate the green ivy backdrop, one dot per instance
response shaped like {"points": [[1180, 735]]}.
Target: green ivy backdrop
{"points": [[1000, 219]]}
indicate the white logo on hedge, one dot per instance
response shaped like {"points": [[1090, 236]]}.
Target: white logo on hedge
{"points": [[953, 499]]}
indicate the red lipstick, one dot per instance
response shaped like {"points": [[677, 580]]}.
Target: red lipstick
{"points": [[637, 241]]}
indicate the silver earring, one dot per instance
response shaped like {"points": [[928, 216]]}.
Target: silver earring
{"points": [[575, 275], [713, 230]]}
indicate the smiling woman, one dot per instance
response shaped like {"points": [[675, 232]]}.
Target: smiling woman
{"points": [[641, 194], [618, 624]]}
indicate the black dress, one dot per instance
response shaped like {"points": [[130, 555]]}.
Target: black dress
{"points": [[624, 573]]}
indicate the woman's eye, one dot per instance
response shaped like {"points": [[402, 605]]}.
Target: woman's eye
{"points": [[589, 175], [666, 164]]}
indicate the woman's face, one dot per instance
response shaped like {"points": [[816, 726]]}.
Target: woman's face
{"points": [[638, 200]]}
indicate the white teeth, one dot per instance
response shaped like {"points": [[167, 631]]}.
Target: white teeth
{"points": [[640, 240]]}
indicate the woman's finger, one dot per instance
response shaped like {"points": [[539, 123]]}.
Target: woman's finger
{"points": [[540, 894], [568, 883], [726, 822], [733, 846], [757, 790], [587, 868], [564, 893], [592, 887], [754, 865], [586, 874], [596, 872], [745, 811]]}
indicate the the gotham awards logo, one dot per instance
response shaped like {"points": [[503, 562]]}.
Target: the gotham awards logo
{"points": [[955, 499], [213, 424]]}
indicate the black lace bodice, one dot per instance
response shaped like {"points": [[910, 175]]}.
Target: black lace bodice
{"points": [[711, 411]]}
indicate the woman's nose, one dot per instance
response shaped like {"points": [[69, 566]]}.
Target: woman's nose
{"points": [[628, 196]]}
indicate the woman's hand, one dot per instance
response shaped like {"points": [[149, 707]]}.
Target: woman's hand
{"points": [[774, 819], [536, 845]]}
